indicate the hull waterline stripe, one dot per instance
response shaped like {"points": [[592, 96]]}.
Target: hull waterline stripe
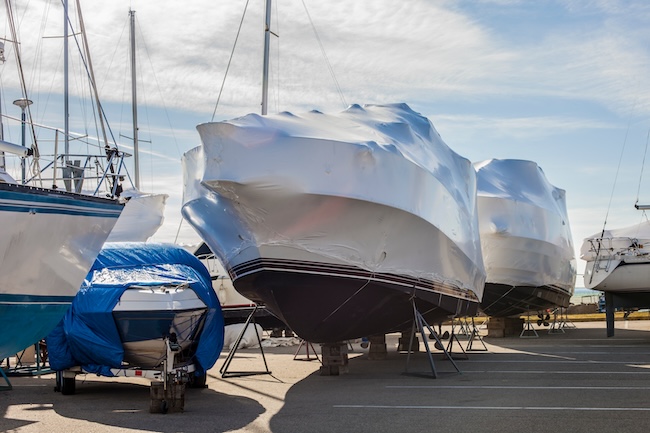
{"points": [[310, 268]]}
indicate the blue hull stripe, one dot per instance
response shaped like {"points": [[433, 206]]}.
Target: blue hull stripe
{"points": [[34, 299], [23, 325], [34, 200]]}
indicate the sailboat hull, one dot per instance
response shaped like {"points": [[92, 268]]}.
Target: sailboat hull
{"points": [[617, 260], [49, 241], [142, 217]]}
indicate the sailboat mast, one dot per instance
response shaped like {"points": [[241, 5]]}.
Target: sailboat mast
{"points": [[66, 108], [265, 71], [134, 102]]}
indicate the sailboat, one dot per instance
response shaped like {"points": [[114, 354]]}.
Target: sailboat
{"points": [[525, 238], [48, 243], [144, 213], [94, 166], [618, 261], [337, 223]]}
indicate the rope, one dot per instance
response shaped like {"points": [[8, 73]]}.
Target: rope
{"points": [[232, 53]]}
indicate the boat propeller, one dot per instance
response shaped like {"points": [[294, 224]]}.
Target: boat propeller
{"points": [[543, 319]]}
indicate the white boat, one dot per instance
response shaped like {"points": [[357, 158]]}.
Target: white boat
{"points": [[525, 239], [336, 222], [144, 315], [618, 260], [48, 243], [89, 165], [137, 298]]}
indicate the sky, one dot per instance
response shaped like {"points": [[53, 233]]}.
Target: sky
{"points": [[561, 83]]}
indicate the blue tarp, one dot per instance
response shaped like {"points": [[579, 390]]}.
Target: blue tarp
{"points": [[88, 336]]}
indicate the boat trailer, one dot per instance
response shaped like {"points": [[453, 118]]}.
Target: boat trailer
{"points": [[167, 383]]}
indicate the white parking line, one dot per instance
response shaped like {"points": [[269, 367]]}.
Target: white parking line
{"points": [[553, 372], [617, 409], [627, 388]]}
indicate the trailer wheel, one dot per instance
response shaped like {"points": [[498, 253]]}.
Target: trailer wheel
{"points": [[68, 386], [198, 381]]}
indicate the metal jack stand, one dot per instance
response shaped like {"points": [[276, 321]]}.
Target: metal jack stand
{"points": [[566, 323], [475, 334], [556, 326], [450, 348], [463, 327], [8, 386], [419, 321], [224, 368], [528, 328], [308, 357]]}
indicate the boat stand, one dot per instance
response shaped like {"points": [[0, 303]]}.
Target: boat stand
{"points": [[8, 386], [463, 327], [528, 331], [37, 368], [449, 352], [556, 326], [419, 321], [224, 368], [566, 323], [308, 357], [474, 334]]}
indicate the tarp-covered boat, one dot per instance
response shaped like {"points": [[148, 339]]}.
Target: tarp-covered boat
{"points": [[336, 221], [525, 237], [135, 296]]}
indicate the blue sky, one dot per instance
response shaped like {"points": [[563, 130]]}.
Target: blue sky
{"points": [[562, 83]]}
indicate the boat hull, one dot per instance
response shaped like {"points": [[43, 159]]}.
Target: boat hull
{"points": [[617, 260], [525, 239], [501, 300], [625, 277], [146, 316], [325, 303], [49, 242], [142, 217], [372, 191]]}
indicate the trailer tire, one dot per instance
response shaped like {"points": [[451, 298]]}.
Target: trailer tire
{"points": [[198, 381], [68, 386]]}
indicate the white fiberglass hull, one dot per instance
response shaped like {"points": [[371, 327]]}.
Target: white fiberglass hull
{"points": [[48, 243], [618, 260], [145, 316], [334, 235], [525, 239], [142, 216]]}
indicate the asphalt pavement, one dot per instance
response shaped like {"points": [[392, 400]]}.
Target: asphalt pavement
{"points": [[576, 380]]}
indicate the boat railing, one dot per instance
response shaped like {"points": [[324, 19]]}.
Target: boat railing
{"points": [[608, 249], [88, 166]]}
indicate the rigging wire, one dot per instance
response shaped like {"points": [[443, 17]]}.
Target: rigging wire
{"points": [[618, 170], [645, 152], [327, 61], [143, 44], [232, 53]]}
